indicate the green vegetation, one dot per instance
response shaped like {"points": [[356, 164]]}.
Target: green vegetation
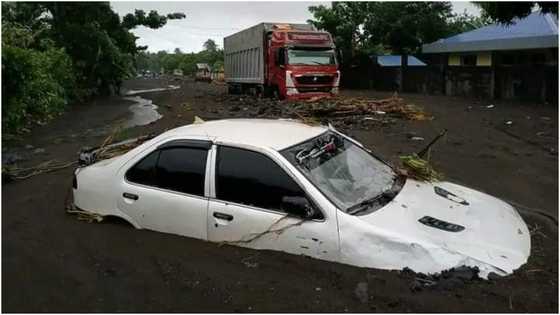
{"points": [[154, 62], [361, 29], [389, 27], [505, 12], [54, 53]]}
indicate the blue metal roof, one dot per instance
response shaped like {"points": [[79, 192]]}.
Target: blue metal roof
{"points": [[534, 31], [395, 61]]}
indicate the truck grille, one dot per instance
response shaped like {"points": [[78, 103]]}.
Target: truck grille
{"points": [[312, 79], [325, 89]]}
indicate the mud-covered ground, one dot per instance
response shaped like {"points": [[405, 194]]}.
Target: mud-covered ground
{"points": [[53, 262]]}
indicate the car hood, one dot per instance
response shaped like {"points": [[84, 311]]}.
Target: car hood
{"points": [[467, 222]]}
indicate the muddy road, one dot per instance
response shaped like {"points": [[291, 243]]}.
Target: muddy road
{"points": [[51, 262]]}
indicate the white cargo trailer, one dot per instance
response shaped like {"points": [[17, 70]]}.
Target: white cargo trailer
{"points": [[245, 52]]}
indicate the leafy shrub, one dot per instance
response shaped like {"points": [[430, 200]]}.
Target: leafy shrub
{"points": [[57, 52], [37, 85]]}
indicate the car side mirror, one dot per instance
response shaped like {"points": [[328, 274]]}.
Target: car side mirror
{"points": [[301, 206]]}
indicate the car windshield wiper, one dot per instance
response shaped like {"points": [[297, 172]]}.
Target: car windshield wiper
{"points": [[366, 204], [387, 195], [362, 205]]}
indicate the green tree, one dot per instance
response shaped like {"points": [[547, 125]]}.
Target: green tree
{"points": [[465, 22], [362, 28], [403, 27], [100, 45], [148, 61], [152, 20], [396, 27], [210, 45], [505, 12], [36, 85], [188, 63], [344, 21], [54, 52], [210, 54]]}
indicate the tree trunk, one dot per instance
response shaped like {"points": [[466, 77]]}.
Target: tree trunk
{"points": [[404, 66]]}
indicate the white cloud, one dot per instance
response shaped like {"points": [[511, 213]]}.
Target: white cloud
{"points": [[213, 20], [216, 20]]}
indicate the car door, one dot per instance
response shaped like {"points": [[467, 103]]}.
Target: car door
{"points": [[253, 206], [165, 189]]}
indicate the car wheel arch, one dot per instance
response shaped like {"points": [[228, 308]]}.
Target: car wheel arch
{"points": [[124, 217]]}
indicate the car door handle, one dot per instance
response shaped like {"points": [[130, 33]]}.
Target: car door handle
{"points": [[223, 216], [130, 196]]}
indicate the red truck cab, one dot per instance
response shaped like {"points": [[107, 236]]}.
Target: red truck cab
{"points": [[301, 64]]}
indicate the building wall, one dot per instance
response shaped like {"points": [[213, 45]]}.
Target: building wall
{"points": [[469, 81], [530, 75], [479, 59]]}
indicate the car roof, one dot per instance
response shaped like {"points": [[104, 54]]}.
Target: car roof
{"points": [[276, 134]]}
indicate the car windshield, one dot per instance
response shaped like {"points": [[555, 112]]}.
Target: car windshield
{"points": [[347, 174], [311, 57]]}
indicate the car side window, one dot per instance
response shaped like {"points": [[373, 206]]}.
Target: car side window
{"points": [[179, 169], [144, 172], [182, 169], [253, 179]]}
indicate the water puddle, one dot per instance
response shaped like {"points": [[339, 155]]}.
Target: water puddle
{"points": [[168, 88], [143, 112]]}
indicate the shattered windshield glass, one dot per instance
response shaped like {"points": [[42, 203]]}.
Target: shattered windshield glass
{"points": [[347, 174]]}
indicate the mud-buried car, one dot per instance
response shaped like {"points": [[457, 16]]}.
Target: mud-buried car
{"points": [[288, 186]]}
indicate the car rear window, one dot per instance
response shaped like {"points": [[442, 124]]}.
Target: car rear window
{"points": [[144, 172], [251, 178], [179, 169]]}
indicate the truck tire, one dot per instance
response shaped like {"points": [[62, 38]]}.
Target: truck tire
{"points": [[231, 88], [267, 91], [276, 93]]}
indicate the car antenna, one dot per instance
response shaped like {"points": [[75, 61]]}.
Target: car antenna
{"points": [[427, 148]]}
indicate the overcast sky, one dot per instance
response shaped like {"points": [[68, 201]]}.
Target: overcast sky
{"points": [[218, 19]]}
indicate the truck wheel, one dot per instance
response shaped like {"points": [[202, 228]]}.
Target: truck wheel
{"points": [[231, 89], [276, 93], [267, 91], [260, 91]]}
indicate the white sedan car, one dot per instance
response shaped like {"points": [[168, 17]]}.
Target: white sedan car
{"points": [[309, 190]]}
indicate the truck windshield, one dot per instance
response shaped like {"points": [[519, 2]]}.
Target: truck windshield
{"points": [[347, 174], [311, 57]]}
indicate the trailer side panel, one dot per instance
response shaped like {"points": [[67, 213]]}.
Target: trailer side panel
{"points": [[244, 56]]}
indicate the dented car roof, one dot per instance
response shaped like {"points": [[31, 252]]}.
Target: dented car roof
{"points": [[276, 134]]}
